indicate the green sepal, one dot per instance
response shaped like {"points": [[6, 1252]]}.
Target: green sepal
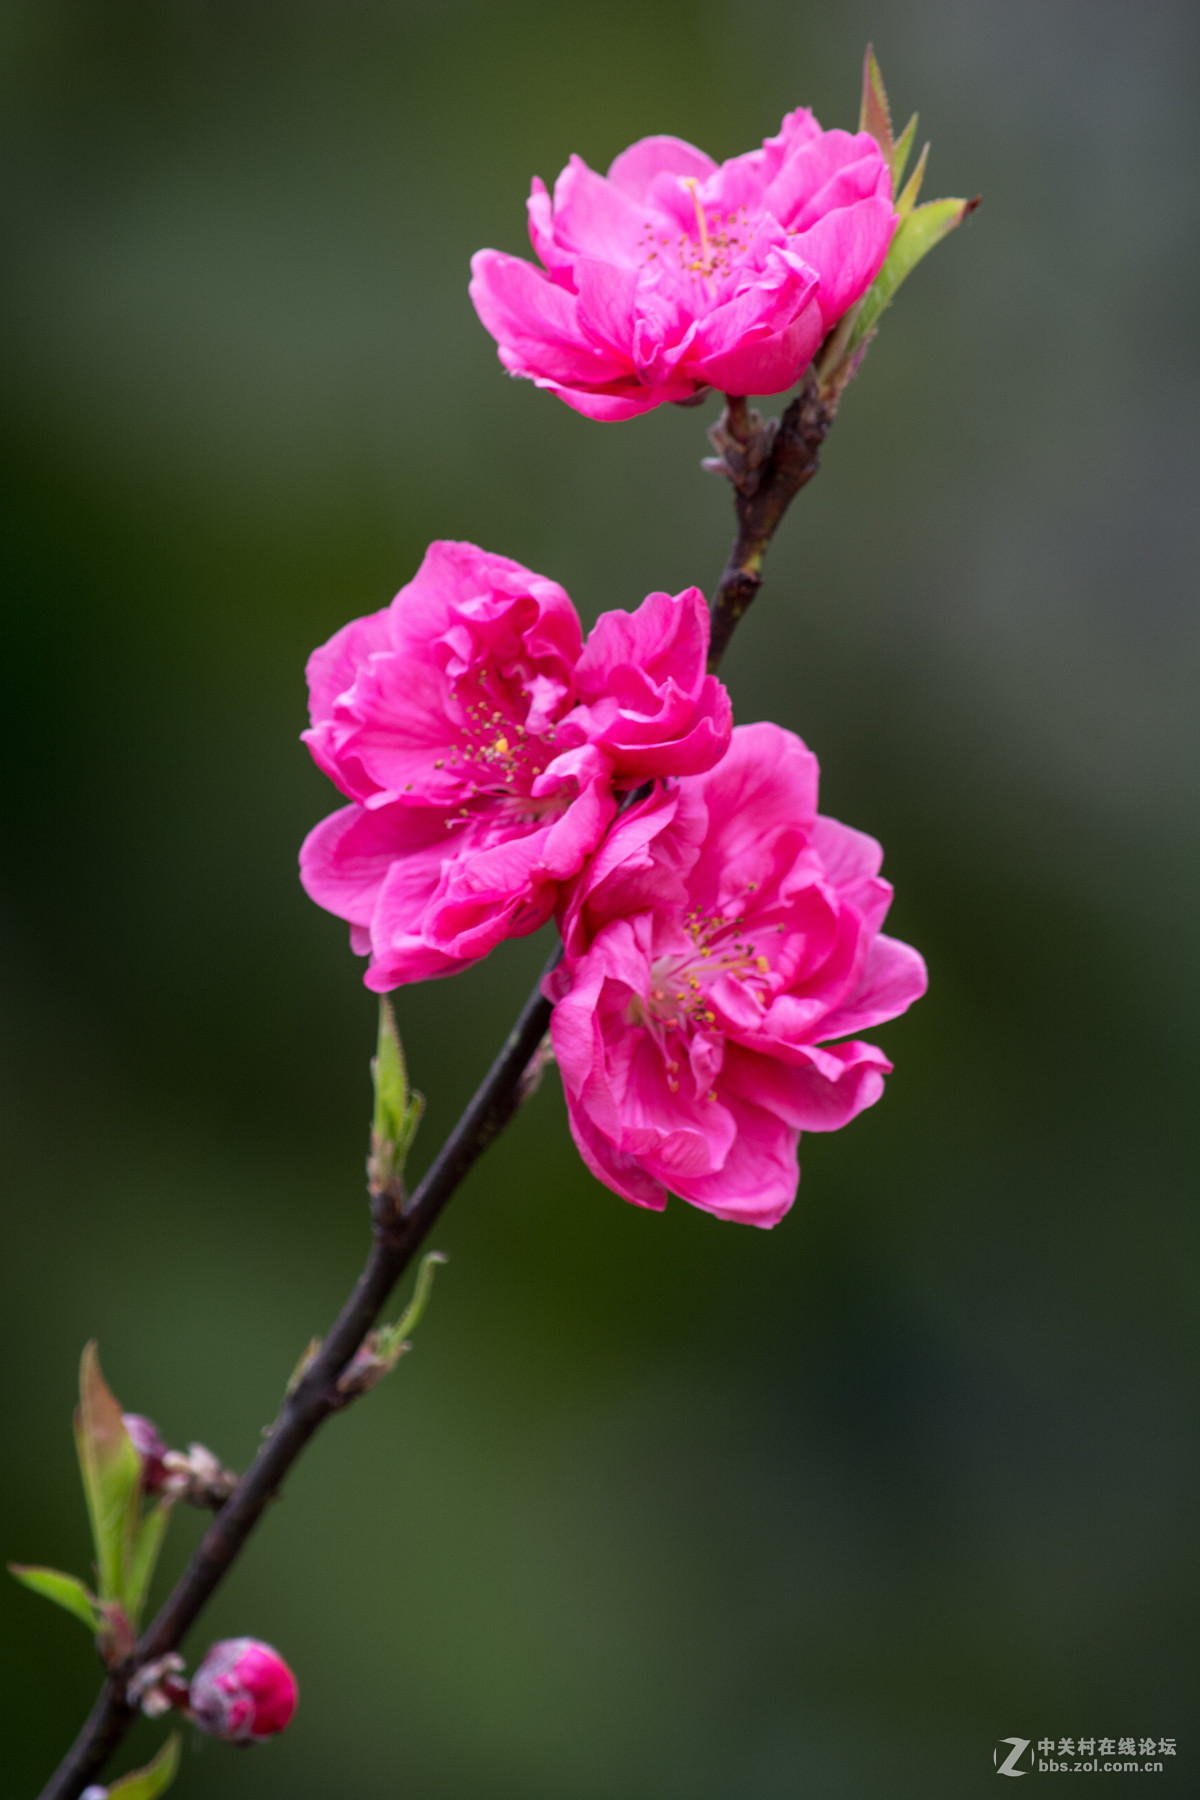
{"points": [[397, 1109], [112, 1473], [66, 1591], [146, 1545], [154, 1779]]}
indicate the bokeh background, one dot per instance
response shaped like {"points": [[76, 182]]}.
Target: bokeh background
{"points": [[659, 1508]]}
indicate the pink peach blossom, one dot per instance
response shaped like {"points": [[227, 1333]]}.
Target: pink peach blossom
{"points": [[482, 743], [717, 942], [674, 273]]}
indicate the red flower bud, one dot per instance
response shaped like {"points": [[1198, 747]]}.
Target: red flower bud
{"points": [[243, 1691], [143, 1435]]}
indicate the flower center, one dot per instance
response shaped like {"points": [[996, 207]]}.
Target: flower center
{"points": [[497, 755], [678, 1001], [711, 252], [689, 182], [497, 759]]}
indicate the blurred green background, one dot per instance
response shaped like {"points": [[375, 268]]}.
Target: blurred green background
{"points": [[659, 1508]]}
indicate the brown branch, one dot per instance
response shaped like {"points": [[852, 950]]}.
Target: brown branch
{"points": [[399, 1230], [398, 1234], [762, 499]]}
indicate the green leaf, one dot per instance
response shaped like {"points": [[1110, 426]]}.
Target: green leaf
{"points": [[146, 1545], [915, 237], [874, 114], [154, 1779], [382, 1348], [112, 1472], [65, 1590], [397, 1109], [390, 1076], [912, 187], [391, 1340], [901, 151], [411, 1317]]}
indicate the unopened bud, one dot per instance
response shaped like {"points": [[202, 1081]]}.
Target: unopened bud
{"points": [[143, 1435], [243, 1691]]}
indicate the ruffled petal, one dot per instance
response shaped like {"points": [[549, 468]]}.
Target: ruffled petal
{"points": [[848, 247], [893, 976], [809, 167], [821, 1092], [595, 217], [635, 169], [536, 323], [759, 342], [607, 298], [757, 1183]]}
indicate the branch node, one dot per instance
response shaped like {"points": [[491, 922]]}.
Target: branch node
{"points": [[743, 444]]}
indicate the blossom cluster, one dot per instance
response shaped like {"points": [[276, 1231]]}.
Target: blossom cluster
{"points": [[721, 939]]}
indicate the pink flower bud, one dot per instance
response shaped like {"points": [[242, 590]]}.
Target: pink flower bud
{"points": [[143, 1435], [243, 1691]]}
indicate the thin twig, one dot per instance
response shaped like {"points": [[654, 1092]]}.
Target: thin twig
{"points": [[399, 1230], [398, 1234], [793, 461]]}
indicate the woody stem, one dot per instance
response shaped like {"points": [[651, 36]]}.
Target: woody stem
{"points": [[792, 463], [399, 1229]]}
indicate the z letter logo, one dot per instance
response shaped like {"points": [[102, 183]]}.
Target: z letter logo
{"points": [[1019, 1747]]}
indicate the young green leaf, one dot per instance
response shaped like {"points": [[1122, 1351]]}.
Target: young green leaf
{"points": [[912, 187], [410, 1318], [383, 1347], [146, 1545], [111, 1470], [65, 1590], [901, 150], [397, 1109], [390, 1075], [874, 114], [915, 237], [154, 1779]]}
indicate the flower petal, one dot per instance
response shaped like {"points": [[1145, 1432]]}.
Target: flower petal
{"points": [[536, 322], [635, 169]]}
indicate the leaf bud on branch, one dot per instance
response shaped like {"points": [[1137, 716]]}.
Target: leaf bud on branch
{"points": [[397, 1113]]}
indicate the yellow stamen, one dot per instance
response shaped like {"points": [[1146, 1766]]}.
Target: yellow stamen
{"points": [[689, 181]]}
